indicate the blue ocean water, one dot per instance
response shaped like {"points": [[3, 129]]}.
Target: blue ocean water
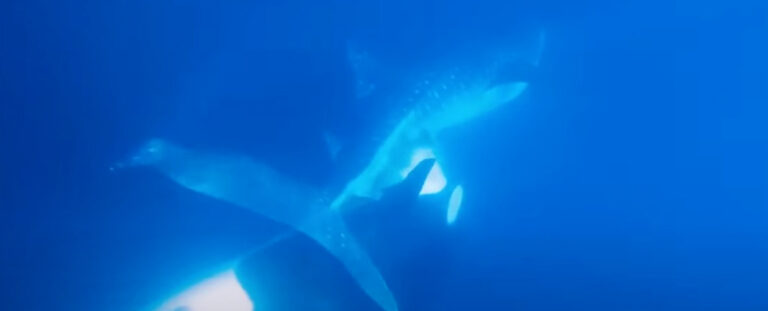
{"points": [[632, 175]]}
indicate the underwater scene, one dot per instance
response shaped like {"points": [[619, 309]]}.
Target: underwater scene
{"points": [[384, 155]]}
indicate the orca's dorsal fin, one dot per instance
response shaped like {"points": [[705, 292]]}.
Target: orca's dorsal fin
{"points": [[411, 186], [407, 191]]}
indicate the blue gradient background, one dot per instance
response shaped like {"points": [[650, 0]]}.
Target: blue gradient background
{"points": [[633, 177]]}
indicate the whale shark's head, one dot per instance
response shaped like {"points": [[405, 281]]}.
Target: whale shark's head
{"points": [[506, 81], [466, 96], [473, 83], [510, 72]]}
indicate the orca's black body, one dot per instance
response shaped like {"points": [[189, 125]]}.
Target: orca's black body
{"points": [[297, 274]]}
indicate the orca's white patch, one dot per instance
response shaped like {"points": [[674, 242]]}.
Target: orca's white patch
{"points": [[435, 181], [221, 292], [454, 204]]}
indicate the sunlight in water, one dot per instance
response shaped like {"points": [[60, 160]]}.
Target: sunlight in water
{"points": [[221, 292], [435, 179]]}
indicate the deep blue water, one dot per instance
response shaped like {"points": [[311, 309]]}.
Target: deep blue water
{"points": [[633, 177]]}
